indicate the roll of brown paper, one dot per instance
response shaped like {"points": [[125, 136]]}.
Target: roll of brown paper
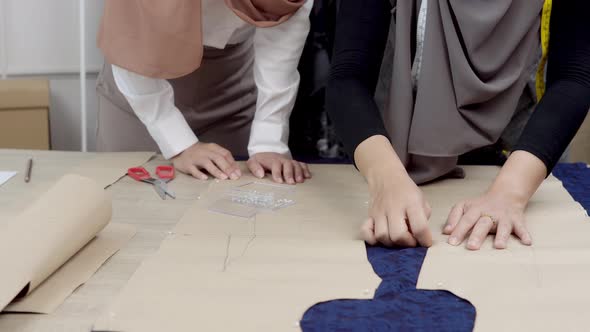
{"points": [[49, 232]]}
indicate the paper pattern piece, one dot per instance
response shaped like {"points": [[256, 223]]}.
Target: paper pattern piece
{"points": [[218, 272], [544, 287], [75, 272], [5, 176], [48, 233]]}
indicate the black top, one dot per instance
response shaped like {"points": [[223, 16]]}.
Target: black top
{"points": [[361, 35]]}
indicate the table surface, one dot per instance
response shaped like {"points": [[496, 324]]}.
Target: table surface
{"points": [[133, 204], [397, 304]]}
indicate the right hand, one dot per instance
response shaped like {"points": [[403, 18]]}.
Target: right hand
{"points": [[207, 157], [398, 214]]}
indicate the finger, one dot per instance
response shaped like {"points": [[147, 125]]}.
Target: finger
{"points": [[213, 170], [194, 171], [418, 222], [234, 165], [288, 172], [227, 155], [306, 171], [235, 171], [480, 231], [256, 168], [382, 231], [522, 233], [298, 172], [368, 232], [276, 169], [463, 227], [502, 234], [224, 165], [454, 217], [399, 233]]}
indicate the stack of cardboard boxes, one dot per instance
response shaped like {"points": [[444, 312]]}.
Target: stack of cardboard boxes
{"points": [[24, 114]]}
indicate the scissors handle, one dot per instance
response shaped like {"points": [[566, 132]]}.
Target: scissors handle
{"points": [[139, 173], [165, 172]]}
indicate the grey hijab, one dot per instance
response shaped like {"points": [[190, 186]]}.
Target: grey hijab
{"points": [[475, 64]]}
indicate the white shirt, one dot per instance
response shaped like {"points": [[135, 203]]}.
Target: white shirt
{"points": [[276, 55]]}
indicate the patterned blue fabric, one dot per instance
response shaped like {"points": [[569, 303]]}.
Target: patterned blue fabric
{"points": [[398, 305], [576, 179]]}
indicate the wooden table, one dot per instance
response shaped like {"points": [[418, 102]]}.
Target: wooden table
{"points": [[133, 203]]}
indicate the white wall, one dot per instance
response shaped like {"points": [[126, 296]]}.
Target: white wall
{"points": [[42, 39]]}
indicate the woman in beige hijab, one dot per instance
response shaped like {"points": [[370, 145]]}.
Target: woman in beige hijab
{"points": [[451, 76], [203, 81]]}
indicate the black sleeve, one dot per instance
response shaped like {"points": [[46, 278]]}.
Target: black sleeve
{"points": [[564, 106], [362, 28]]}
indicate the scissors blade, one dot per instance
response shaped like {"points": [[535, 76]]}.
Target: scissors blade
{"points": [[164, 187], [171, 193], [161, 191]]}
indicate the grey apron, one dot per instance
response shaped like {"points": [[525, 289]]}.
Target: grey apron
{"points": [[218, 100]]}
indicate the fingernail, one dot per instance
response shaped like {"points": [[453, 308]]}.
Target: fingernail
{"points": [[223, 177], [260, 174], [234, 176], [299, 179], [239, 172], [471, 244], [453, 241]]}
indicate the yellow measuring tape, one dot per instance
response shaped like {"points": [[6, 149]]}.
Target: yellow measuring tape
{"points": [[545, 20]]}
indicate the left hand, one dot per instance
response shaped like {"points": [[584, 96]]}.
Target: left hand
{"points": [[492, 213], [283, 169]]}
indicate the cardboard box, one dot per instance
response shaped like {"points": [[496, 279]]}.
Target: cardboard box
{"points": [[24, 114]]}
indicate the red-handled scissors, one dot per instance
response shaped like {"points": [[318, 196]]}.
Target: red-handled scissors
{"points": [[164, 175]]}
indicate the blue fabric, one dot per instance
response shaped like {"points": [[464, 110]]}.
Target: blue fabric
{"points": [[576, 179], [398, 305]]}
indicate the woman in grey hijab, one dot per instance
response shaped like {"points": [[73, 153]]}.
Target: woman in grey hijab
{"points": [[448, 76]]}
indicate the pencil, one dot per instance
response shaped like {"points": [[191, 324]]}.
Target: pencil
{"points": [[29, 169]]}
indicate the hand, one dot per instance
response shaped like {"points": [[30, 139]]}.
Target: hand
{"points": [[492, 213], [208, 157], [283, 169], [501, 209], [399, 213]]}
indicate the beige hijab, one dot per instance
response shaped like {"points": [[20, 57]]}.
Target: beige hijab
{"points": [[476, 59], [163, 38]]}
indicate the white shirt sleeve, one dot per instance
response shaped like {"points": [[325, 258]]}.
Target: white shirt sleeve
{"points": [[152, 101], [277, 51]]}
